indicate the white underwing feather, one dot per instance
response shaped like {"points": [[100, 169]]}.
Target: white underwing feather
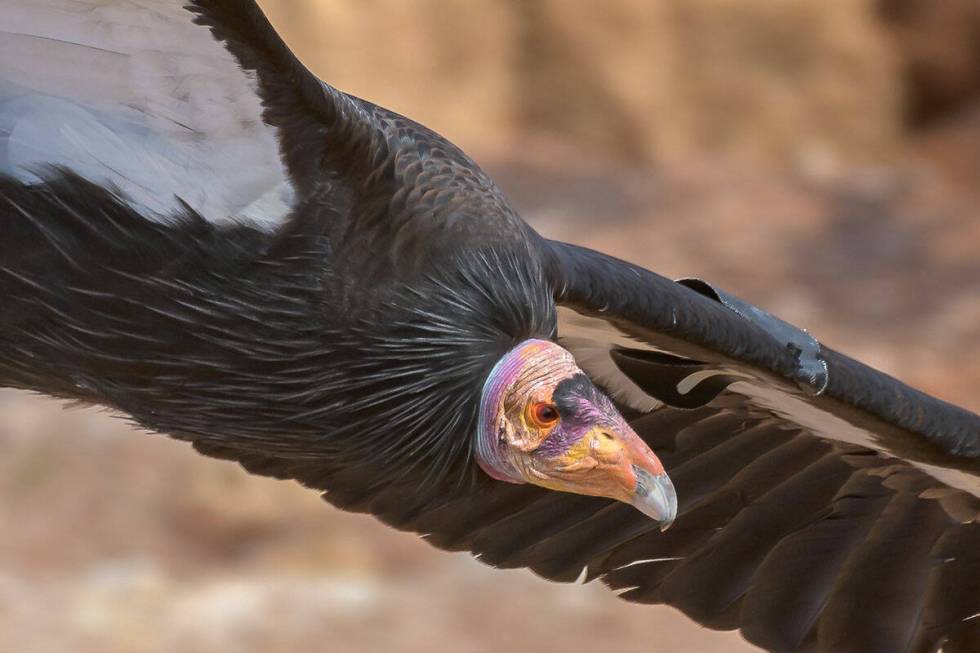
{"points": [[134, 95], [590, 340]]}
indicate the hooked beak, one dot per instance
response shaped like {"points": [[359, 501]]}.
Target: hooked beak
{"points": [[614, 463], [655, 497]]}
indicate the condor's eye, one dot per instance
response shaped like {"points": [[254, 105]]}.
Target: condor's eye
{"points": [[542, 414]]}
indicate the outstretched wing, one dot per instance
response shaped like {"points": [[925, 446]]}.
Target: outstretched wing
{"points": [[824, 506], [199, 104], [142, 97]]}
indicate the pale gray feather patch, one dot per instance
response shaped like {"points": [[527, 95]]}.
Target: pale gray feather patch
{"points": [[132, 94]]}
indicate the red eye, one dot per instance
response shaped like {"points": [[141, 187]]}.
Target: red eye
{"points": [[542, 414]]}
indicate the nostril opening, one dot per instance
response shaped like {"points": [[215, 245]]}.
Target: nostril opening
{"points": [[606, 436]]}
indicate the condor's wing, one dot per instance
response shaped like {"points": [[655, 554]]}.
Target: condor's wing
{"points": [[824, 506], [198, 106], [170, 103]]}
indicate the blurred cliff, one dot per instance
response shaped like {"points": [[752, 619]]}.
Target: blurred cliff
{"points": [[820, 158], [655, 82], [640, 81]]}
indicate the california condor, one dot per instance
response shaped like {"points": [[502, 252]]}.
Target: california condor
{"points": [[199, 233]]}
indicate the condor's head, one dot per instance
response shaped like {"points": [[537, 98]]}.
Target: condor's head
{"points": [[542, 421]]}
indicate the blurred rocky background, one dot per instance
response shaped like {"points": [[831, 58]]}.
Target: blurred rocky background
{"points": [[820, 158]]}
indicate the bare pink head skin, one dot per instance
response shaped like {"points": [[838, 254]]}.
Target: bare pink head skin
{"points": [[543, 422]]}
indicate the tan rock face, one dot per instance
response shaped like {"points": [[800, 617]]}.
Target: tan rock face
{"points": [[939, 48], [763, 80], [444, 64]]}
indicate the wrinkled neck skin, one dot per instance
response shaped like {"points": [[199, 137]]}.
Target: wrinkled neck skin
{"points": [[523, 370]]}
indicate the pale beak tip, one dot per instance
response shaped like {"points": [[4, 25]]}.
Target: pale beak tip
{"points": [[655, 497]]}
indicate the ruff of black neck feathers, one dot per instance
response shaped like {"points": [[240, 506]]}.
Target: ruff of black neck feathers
{"points": [[232, 337]]}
